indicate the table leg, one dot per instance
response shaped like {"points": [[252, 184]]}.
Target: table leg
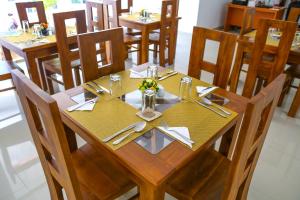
{"points": [[229, 139], [149, 192], [6, 53], [145, 46], [33, 69]]}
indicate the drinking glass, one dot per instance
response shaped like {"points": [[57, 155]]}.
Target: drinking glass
{"points": [[185, 88], [37, 30], [115, 85], [148, 103], [25, 26], [152, 72]]}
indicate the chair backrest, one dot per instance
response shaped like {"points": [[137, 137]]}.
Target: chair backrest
{"points": [[49, 136], [129, 4], [111, 13], [38, 5], [66, 43], [98, 23], [256, 123], [294, 15], [272, 68], [168, 27], [88, 53], [248, 19], [221, 69]]}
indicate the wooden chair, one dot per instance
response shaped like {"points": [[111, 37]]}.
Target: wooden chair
{"points": [[213, 176], [127, 9], [221, 69], [265, 62], [38, 5], [5, 72], [293, 72], [294, 15], [83, 173], [248, 19], [111, 20], [98, 23], [88, 54], [67, 50], [167, 35]]}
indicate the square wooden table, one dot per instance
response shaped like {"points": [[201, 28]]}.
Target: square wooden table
{"points": [[26, 46], [149, 171], [133, 22]]}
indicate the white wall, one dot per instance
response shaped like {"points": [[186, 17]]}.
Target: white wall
{"points": [[212, 13]]}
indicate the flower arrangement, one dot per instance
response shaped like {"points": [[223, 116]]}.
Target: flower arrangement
{"points": [[149, 84], [44, 29]]}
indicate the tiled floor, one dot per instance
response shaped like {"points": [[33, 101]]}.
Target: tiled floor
{"points": [[277, 175]]}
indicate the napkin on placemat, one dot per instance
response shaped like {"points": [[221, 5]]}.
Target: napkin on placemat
{"points": [[87, 107], [202, 91], [182, 130], [136, 74]]}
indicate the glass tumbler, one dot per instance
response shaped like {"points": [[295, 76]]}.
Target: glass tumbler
{"points": [[185, 88], [148, 103], [115, 85], [25, 26], [152, 72]]}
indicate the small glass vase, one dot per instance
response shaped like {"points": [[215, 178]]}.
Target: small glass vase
{"points": [[148, 103]]}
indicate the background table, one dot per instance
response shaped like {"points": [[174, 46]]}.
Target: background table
{"points": [[133, 22], [29, 51], [151, 172]]}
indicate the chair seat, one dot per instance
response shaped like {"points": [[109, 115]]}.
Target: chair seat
{"points": [[203, 178], [130, 39], [54, 65], [294, 71], [99, 177], [5, 69]]}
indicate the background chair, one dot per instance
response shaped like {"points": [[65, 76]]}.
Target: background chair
{"points": [[97, 178], [265, 62], [213, 176], [88, 53], [38, 5], [221, 69], [167, 35], [67, 50]]}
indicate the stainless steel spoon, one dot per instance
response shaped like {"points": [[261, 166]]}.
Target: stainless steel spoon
{"points": [[138, 128]]}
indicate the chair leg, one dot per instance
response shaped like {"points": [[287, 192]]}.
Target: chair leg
{"points": [[139, 54], [162, 56], [285, 90], [77, 76], [259, 85], [155, 51], [49, 82], [295, 105], [42, 74]]}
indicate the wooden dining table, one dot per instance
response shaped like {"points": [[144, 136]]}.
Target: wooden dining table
{"points": [[30, 48], [134, 21], [151, 171]]}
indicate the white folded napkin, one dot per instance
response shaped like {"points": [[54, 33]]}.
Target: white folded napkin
{"points": [[202, 91], [182, 130], [43, 41], [87, 107], [135, 74]]}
